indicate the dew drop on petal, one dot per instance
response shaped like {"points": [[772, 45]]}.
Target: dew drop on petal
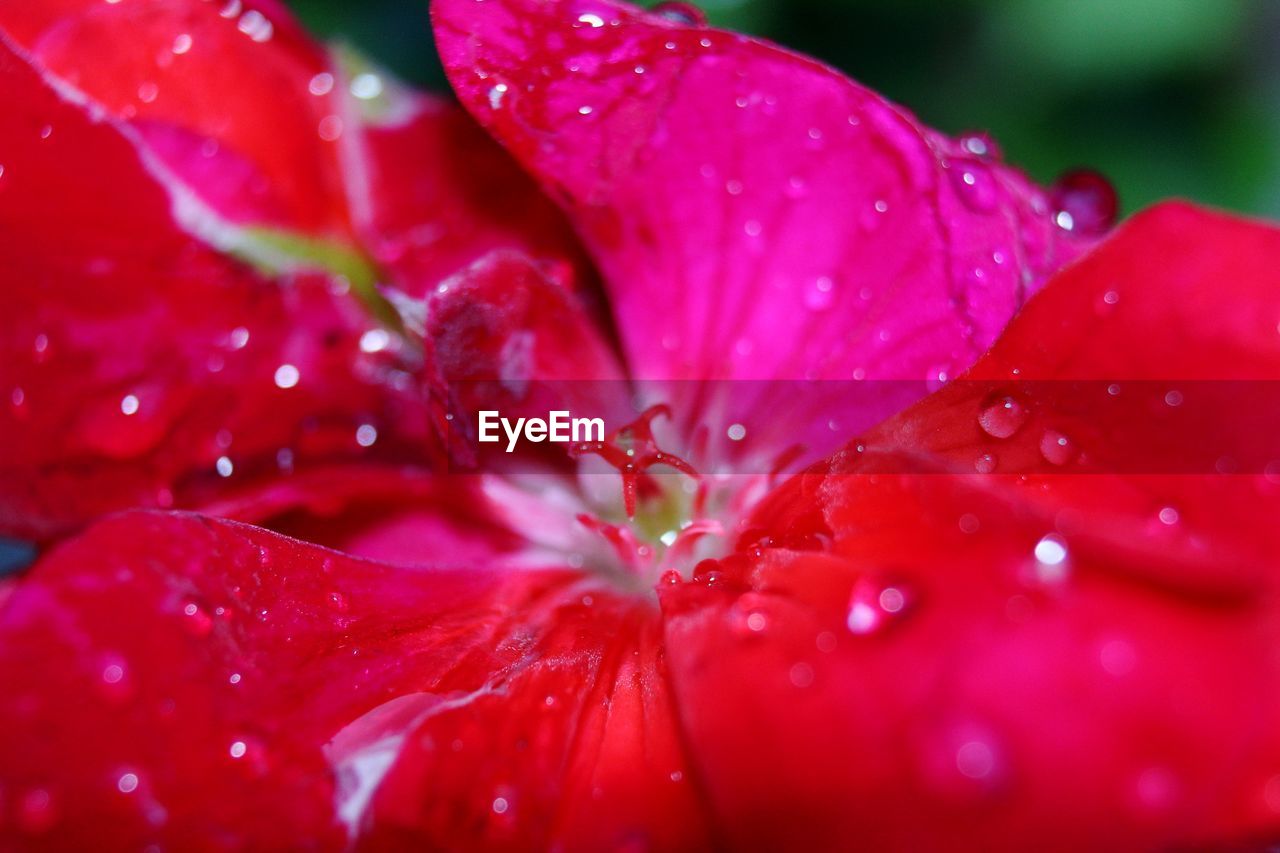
{"points": [[1056, 448], [681, 13], [975, 759], [286, 376], [36, 811], [874, 605], [985, 463], [975, 185], [1086, 199], [801, 675], [820, 295], [1050, 559], [321, 84], [1002, 417], [127, 783], [496, 93]]}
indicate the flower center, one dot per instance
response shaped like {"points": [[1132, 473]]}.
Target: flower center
{"points": [[673, 517]]}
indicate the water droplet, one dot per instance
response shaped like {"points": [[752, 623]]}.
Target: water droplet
{"points": [[873, 605], [980, 145], [969, 523], [1118, 657], [330, 128], [286, 376], [181, 43], [801, 675], [975, 186], [1056, 448], [1051, 559], [366, 435], [736, 432], [820, 296], [496, 94], [985, 463], [1002, 417], [321, 84], [500, 805], [224, 466], [1173, 399], [976, 759], [591, 20], [681, 13], [127, 783], [1086, 200], [129, 405], [255, 25], [36, 811], [237, 749], [197, 622], [1169, 516]]}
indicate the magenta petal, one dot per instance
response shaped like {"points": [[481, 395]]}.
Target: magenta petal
{"points": [[755, 214]]}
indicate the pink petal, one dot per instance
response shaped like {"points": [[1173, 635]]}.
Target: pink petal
{"points": [[755, 215]]}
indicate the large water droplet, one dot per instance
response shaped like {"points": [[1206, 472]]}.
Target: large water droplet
{"points": [[1087, 199], [1002, 417], [681, 13], [1057, 448]]}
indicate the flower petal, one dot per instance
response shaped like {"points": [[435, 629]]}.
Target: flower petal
{"points": [[170, 677], [141, 367], [755, 215], [222, 92], [1039, 652]]}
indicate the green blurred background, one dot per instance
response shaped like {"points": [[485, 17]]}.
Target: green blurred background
{"points": [[1165, 97]]}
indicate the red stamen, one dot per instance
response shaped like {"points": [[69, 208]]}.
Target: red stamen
{"points": [[632, 450]]}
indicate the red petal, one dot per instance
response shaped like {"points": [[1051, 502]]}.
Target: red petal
{"points": [[437, 195], [170, 678], [1045, 653], [220, 90], [135, 358], [754, 214], [269, 128]]}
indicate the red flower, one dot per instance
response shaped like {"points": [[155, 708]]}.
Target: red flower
{"points": [[248, 277]]}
